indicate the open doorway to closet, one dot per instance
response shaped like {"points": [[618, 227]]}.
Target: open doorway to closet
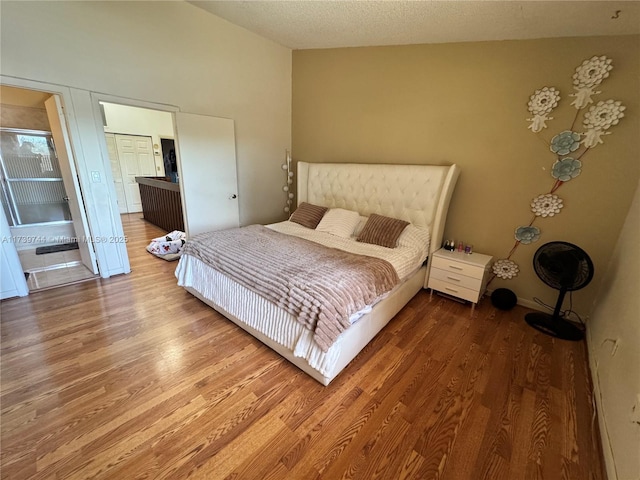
{"points": [[194, 156], [135, 138], [40, 192]]}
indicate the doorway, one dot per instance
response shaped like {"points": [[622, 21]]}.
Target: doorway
{"points": [[205, 156], [40, 192], [134, 136]]}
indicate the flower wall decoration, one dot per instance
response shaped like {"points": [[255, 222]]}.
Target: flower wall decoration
{"points": [[527, 235], [588, 76], [566, 169], [596, 122], [505, 268], [546, 205], [541, 103], [599, 118], [565, 142]]}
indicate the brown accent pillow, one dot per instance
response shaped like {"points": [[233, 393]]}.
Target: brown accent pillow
{"points": [[308, 215], [383, 231]]}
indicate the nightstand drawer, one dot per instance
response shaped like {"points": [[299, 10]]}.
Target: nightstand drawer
{"points": [[450, 265], [456, 279], [456, 291]]}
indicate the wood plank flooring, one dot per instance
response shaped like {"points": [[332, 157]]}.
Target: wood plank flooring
{"points": [[132, 377]]}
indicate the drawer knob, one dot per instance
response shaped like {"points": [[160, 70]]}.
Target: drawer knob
{"points": [[455, 267], [451, 289], [453, 278]]}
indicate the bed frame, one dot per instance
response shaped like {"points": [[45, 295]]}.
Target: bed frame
{"points": [[419, 194]]}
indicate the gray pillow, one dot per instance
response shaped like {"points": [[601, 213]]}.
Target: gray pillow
{"points": [[308, 215], [381, 230]]}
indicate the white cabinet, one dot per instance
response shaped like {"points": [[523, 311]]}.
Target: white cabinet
{"points": [[459, 274]]}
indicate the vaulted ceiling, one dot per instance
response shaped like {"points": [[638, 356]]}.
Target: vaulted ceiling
{"points": [[337, 23]]}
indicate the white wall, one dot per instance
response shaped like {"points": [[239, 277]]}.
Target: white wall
{"points": [[614, 352], [12, 281], [140, 121], [171, 53]]}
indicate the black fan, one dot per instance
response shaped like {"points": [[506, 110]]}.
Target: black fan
{"points": [[565, 267]]}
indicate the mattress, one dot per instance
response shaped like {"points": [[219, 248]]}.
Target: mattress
{"points": [[279, 325], [257, 312]]}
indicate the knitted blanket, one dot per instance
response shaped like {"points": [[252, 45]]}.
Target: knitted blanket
{"points": [[320, 286]]}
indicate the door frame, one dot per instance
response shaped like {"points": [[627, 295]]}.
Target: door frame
{"points": [[122, 205], [66, 159], [97, 97], [64, 96], [175, 114], [113, 258]]}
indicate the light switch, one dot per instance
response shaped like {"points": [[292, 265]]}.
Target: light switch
{"points": [[95, 176]]}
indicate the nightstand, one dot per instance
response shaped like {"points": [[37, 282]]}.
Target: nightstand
{"points": [[459, 274]]}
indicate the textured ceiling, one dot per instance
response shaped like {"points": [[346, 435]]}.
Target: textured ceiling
{"points": [[337, 23]]}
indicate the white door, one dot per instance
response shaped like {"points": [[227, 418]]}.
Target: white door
{"points": [[206, 151], [60, 136], [112, 149], [135, 154], [12, 281]]}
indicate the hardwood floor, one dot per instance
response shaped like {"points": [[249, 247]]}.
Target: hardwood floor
{"points": [[132, 377]]}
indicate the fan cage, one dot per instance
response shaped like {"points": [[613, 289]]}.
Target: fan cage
{"points": [[563, 266]]}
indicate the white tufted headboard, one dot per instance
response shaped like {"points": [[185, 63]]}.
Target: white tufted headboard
{"points": [[419, 194]]}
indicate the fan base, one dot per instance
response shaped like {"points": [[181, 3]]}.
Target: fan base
{"points": [[556, 327]]}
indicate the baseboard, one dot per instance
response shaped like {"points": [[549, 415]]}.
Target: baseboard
{"points": [[525, 303], [531, 304]]}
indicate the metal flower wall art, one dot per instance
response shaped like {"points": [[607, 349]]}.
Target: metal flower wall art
{"points": [[569, 146]]}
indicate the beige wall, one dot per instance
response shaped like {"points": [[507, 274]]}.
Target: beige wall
{"points": [[466, 103]]}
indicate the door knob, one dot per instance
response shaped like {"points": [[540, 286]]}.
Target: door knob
{"points": [[233, 196]]}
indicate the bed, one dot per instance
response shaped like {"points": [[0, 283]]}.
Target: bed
{"points": [[417, 194]]}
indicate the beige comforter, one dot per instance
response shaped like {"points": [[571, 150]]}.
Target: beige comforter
{"points": [[318, 285]]}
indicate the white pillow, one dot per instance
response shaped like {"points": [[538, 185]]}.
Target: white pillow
{"points": [[417, 238], [360, 226], [339, 222]]}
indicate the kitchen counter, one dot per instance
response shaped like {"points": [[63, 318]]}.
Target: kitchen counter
{"points": [[161, 203]]}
